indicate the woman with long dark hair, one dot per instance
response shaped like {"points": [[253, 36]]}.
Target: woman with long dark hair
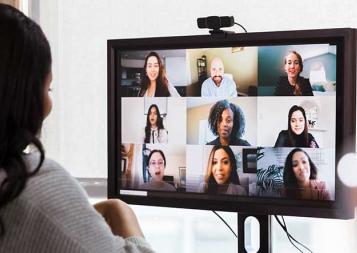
{"points": [[221, 175], [155, 82], [297, 134], [300, 178], [154, 129], [293, 84], [42, 208]]}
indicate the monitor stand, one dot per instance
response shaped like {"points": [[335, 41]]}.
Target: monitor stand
{"points": [[254, 236]]}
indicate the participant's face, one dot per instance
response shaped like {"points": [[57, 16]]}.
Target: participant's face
{"points": [[47, 100], [297, 122], [292, 65], [153, 116], [226, 125], [301, 166], [217, 71], [221, 166], [156, 167], [152, 68]]}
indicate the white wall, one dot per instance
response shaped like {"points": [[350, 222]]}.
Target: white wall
{"points": [[76, 132], [176, 70]]}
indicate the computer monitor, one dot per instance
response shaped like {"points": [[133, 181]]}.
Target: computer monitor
{"points": [[251, 123]]}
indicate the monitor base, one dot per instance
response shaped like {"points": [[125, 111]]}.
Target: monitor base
{"points": [[254, 233]]}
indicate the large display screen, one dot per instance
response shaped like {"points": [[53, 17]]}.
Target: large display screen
{"points": [[228, 123], [251, 123]]}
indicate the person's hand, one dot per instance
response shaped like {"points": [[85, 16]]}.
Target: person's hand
{"points": [[120, 218]]}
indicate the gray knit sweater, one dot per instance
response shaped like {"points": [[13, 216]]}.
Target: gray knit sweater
{"points": [[53, 214]]}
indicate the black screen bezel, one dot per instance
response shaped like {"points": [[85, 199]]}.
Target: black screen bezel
{"points": [[343, 38]]}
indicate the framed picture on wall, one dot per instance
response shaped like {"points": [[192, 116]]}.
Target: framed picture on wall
{"points": [[249, 160]]}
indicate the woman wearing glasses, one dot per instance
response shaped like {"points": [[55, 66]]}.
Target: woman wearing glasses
{"points": [[156, 164]]}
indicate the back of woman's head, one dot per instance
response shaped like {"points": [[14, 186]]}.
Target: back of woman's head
{"points": [[25, 62]]}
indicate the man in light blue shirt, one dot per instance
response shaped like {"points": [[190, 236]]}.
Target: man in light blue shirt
{"points": [[218, 85]]}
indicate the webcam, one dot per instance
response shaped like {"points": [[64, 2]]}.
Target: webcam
{"points": [[215, 22]]}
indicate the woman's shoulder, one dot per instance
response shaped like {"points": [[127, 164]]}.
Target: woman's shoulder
{"points": [[214, 142], [163, 131], [312, 141], [172, 90], [236, 189], [282, 79], [157, 186], [282, 138], [239, 142], [242, 142], [282, 87], [54, 200], [311, 137], [202, 187], [303, 80], [52, 183], [306, 86], [283, 133], [320, 190], [317, 184], [32, 160]]}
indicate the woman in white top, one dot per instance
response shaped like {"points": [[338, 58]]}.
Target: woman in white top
{"points": [[154, 131], [155, 82]]}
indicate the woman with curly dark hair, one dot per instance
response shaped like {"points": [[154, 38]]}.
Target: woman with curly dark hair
{"points": [[226, 121], [42, 208]]}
